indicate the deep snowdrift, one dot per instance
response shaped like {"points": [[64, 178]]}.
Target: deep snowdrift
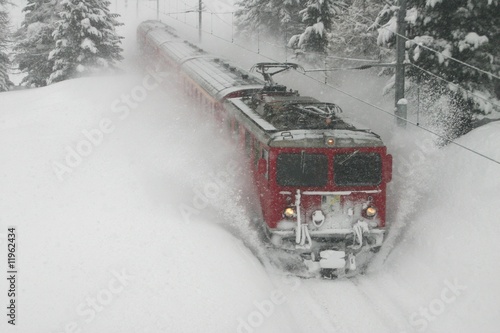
{"points": [[447, 255], [107, 249]]}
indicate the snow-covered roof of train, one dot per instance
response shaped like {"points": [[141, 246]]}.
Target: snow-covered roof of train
{"points": [[316, 138], [276, 137], [217, 76], [220, 78]]}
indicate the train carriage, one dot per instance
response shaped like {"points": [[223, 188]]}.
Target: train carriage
{"points": [[321, 180]]}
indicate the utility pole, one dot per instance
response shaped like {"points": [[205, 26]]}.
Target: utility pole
{"points": [[401, 107], [200, 16], [158, 10]]}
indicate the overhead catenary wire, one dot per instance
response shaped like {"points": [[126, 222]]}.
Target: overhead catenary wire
{"points": [[353, 59], [406, 120], [370, 60], [444, 55], [406, 38], [213, 35], [414, 65], [428, 48], [350, 68], [260, 39], [391, 114], [388, 65], [455, 85]]}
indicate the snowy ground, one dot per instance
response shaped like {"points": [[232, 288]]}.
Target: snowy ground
{"points": [[105, 244]]}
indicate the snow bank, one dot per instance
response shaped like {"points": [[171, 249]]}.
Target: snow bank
{"points": [[443, 268], [106, 249]]}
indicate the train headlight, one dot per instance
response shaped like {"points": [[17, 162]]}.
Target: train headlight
{"points": [[330, 141], [371, 211], [290, 212]]}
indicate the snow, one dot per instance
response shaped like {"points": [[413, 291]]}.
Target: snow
{"points": [[117, 212], [387, 31], [34, 29], [88, 26], [445, 55], [319, 28], [452, 235], [411, 15], [88, 44], [472, 41], [113, 232], [432, 3]]}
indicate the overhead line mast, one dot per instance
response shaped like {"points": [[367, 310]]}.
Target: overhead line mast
{"points": [[401, 107], [200, 16]]}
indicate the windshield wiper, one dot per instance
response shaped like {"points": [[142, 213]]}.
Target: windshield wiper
{"points": [[349, 157]]}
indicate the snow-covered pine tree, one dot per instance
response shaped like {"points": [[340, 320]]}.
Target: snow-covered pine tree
{"points": [[4, 40], [350, 35], [467, 30], [35, 41], [86, 39], [276, 18], [318, 16]]}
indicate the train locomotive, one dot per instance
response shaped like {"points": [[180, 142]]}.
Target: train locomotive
{"points": [[321, 181]]}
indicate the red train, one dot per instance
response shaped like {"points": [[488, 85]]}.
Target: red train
{"points": [[322, 181]]}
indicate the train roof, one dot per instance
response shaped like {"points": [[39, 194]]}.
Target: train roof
{"points": [[289, 111], [217, 76], [280, 117], [297, 134]]}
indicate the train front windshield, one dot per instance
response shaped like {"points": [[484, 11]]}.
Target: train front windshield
{"points": [[357, 169], [311, 170], [302, 170]]}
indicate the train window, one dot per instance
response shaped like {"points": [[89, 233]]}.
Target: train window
{"points": [[236, 130], [357, 169], [248, 143], [265, 155], [227, 120], [302, 169], [256, 150]]}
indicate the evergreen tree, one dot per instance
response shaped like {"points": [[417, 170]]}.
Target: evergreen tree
{"points": [[467, 30], [35, 41], [270, 17], [318, 17], [4, 40], [85, 39], [350, 34]]}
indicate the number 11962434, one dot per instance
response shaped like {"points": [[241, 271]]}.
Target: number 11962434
{"points": [[11, 249]]}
